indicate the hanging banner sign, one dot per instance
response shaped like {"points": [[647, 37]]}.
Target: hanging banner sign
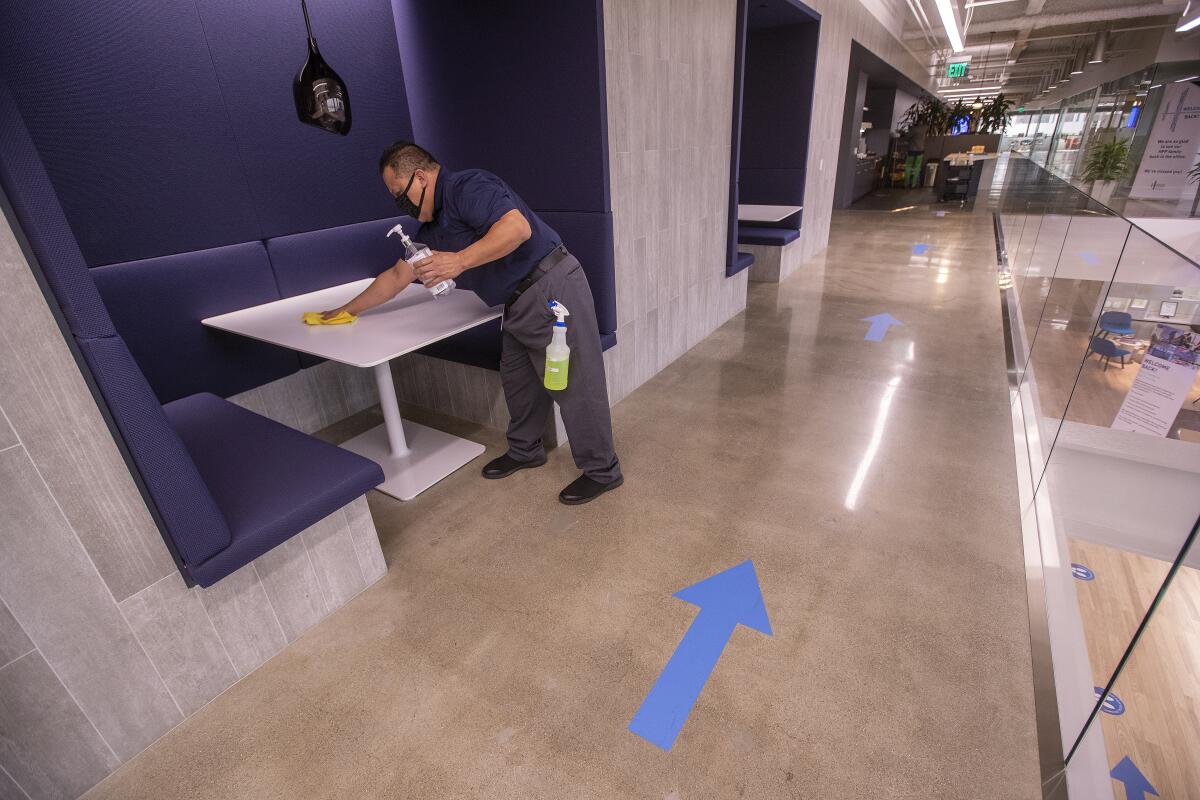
{"points": [[1162, 384], [1171, 148]]}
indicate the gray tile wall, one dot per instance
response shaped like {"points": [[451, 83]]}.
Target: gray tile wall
{"points": [[103, 648], [669, 68], [841, 22]]}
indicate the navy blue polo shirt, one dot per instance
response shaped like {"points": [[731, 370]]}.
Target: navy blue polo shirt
{"points": [[465, 205]]}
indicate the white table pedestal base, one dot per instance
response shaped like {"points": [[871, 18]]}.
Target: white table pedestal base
{"points": [[432, 455], [413, 456]]}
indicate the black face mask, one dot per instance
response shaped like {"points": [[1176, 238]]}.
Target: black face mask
{"points": [[407, 206]]}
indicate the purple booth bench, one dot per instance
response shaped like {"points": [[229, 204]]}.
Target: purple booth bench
{"points": [[225, 485]]}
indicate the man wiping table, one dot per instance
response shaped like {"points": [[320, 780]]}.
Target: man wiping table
{"points": [[486, 239]]}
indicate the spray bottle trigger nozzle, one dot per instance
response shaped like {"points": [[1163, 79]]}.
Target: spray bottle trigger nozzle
{"points": [[560, 312]]}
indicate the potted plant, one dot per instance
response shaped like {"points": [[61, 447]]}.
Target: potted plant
{"points": [[1107, 162], [994, 116]]}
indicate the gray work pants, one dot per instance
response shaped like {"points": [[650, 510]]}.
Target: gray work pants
{"points": [[584, 403]]}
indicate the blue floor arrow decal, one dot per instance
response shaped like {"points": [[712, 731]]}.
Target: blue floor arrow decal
{"points": [[1136, 785], [879, 326], [726, 600]]}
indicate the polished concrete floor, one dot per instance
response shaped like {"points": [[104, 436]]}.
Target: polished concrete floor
{"points": [[871, 484]]}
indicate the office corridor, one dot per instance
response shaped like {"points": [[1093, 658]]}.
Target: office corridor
{"points": [[871, 484]]}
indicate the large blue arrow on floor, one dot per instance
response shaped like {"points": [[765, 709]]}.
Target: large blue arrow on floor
{"points": [[1136, 785], [879, 326], [726, 600]]}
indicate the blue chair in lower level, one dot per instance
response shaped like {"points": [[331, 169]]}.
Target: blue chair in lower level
{"points": [[1107, 349], [1117, 323]]}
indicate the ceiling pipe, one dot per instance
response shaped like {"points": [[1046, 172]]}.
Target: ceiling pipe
{"points": [[1079, 17]]}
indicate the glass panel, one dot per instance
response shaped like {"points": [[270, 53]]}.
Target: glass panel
{"points": [[1043, 135], [1150, 719]]}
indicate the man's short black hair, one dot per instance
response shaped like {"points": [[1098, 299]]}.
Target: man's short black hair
{"points": [[405, 157]]}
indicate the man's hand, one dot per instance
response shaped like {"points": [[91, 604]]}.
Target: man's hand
{"points": [[332, 312], [439, 267]]}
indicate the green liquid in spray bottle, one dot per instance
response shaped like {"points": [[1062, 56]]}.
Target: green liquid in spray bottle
{"points": [[558, 354]]}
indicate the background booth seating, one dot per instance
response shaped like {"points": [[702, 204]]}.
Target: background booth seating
{"points": [[225, 484], [770, 237]]}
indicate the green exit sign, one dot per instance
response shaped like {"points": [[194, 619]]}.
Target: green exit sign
{"points": [[957, 70]]}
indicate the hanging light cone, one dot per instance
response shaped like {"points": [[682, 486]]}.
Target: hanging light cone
{"points": [[322, 99], [1080, 63], [1099, 47]]}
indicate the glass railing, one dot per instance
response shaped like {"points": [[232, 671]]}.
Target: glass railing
{"points": [[1105, 343]]}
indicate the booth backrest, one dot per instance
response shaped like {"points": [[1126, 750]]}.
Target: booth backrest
{"points": [[306, 262], [589, 237], [179, 495], [157, 305]]}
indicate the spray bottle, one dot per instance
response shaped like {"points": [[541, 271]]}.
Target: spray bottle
{"points": [[558, 354], [414, 252]]}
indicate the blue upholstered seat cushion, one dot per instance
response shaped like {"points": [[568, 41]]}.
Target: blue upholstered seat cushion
{"points": [[771, 237], [185, 505], [742, 261], [270, 481]]}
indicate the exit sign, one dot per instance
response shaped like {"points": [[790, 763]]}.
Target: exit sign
{"points": [[957, 70]]}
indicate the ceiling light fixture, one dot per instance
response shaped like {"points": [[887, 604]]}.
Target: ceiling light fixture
{"points": [[1190, 18], [1192, 78], [1080, 63], [1098, 48], [946, 11], [320, 94]]}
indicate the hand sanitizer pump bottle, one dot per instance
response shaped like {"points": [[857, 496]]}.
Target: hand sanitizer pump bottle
{"points": [[558, 354], [414, 252]]}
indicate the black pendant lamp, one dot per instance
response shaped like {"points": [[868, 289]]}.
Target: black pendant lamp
{"points": [[321, 96]]}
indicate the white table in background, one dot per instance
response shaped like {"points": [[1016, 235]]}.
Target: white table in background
{"points": [[757, 213], [413, 456]]}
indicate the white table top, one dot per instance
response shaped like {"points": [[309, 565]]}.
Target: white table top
{"points": [[757, 213], [407, 322]]}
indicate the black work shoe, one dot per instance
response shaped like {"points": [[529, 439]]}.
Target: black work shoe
{"points": [[584, 489], [506, 465]]}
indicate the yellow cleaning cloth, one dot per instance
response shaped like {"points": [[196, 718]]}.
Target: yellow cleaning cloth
{"points": [[315, 318]]}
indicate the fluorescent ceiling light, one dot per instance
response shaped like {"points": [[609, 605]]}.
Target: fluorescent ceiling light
{"points": [[1098, 48], [946, 11], [970, 89], [976, 3], [1190, 18], [1181, 80]]}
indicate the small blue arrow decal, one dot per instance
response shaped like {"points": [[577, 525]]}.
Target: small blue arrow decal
{"points": [[1136, 785], [879, 326], [919, 249], [726, 600]]}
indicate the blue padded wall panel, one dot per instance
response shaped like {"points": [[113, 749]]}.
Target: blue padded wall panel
{"points": [[514, 87], [306, 262], [40, 218], [776, 112], [196, 525], [124, 106], [157, 304], [303, 178], [589, 237]]}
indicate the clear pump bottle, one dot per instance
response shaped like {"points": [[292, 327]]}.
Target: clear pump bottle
{"points": [[414, 252]]}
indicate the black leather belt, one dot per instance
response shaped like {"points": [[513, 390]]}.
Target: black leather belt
{"points": [[549, 262]]}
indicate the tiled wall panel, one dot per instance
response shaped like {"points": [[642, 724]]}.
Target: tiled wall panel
{"points": [[103, 648]]}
